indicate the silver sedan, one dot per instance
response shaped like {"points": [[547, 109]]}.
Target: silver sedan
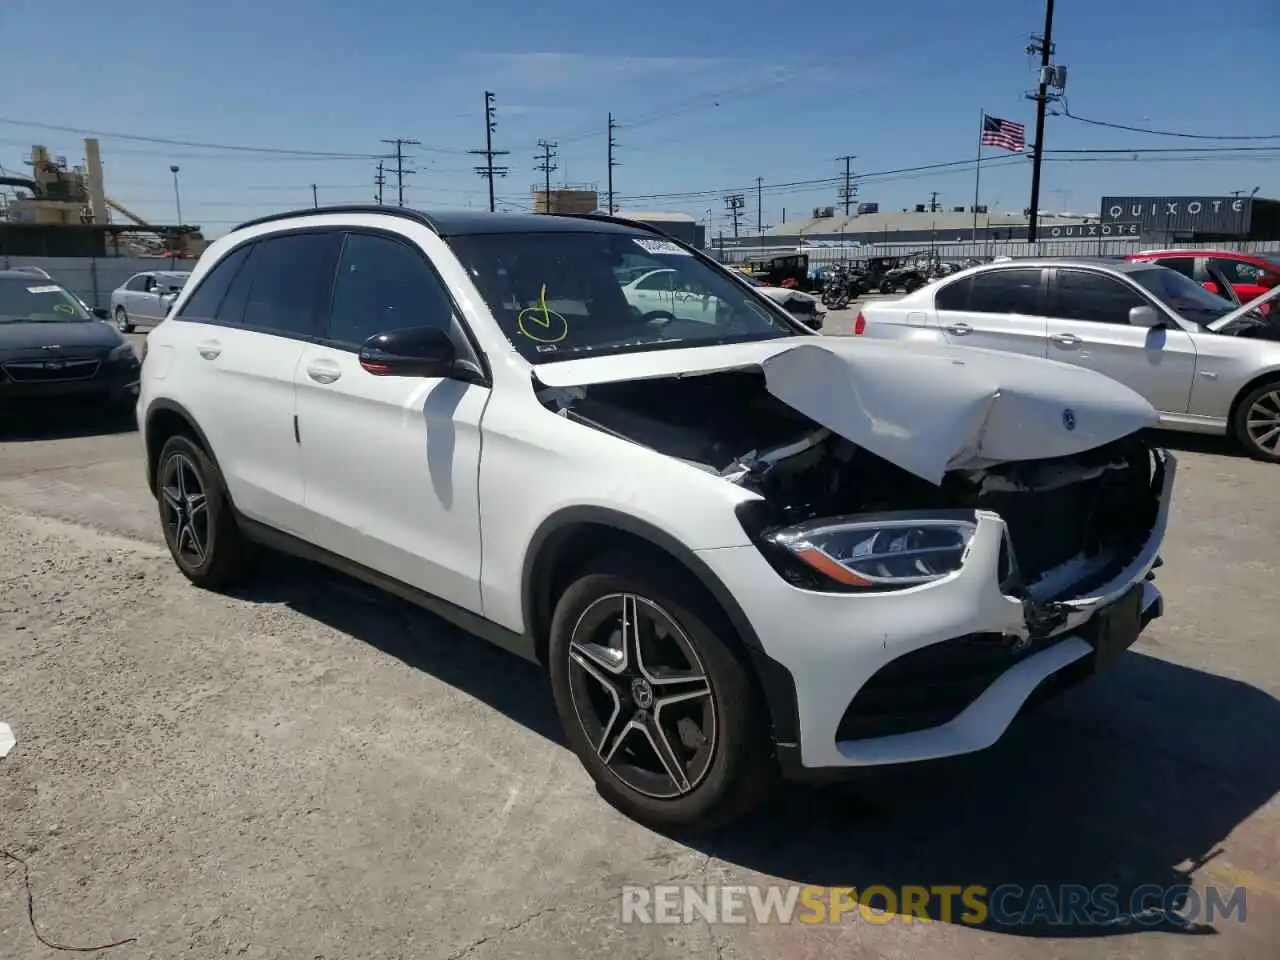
{"points": [[1207, 365], [145, 298]]}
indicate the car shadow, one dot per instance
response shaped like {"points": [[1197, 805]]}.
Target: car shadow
{"points": [[64, 424], [1123, 787]]}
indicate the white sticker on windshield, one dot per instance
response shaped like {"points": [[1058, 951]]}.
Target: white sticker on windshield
{"points": [[662, 247], [45, 289]]}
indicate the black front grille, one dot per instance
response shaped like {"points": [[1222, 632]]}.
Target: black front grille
{"points": [[52, 370]]}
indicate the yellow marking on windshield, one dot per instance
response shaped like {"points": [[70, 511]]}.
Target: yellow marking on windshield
{"points": [[547, 325]]}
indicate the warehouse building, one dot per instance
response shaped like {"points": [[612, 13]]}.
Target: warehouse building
{"points": [[920, 225], [1160, 221]]}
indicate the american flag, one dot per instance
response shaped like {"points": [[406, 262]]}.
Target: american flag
{"points": [[1003, 133]]}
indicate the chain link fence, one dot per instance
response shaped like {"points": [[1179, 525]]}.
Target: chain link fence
{"points": [[834, 252], [93, 278]]}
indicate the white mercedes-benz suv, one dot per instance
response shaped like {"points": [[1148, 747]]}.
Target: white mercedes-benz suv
{"points": [[739, 548]]}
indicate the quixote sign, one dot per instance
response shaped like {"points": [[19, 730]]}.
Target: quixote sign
{"points": [[1218, 215], [1083, 231]]}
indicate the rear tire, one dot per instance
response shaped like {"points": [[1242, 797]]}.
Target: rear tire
{"points": [[1256, 422], [672, 730], [195, 515], [122, 321]]}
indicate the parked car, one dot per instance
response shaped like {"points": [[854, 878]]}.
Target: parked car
{"points": [[1199, 359], [53, 348], [805, 307], [1250, 274], [737, 547], [145, 298], [33, 271]]}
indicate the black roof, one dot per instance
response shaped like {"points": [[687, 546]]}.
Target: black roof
{"points": [[457, 223]]}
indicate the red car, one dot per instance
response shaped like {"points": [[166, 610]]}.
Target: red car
{"points": [[1250, 274]]}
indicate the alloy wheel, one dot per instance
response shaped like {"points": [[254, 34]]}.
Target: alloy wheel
{"points": [[642, 696], [186, 509], [1263, 422]]}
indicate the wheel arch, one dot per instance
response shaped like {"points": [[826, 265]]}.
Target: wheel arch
{"points": [[166, 418], [1266, 376], [567, 539]]}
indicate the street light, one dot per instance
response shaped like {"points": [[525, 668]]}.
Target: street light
{"points": [[177, 197]]}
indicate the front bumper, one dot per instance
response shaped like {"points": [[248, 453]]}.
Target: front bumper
{"points": [[110, 383], [818, 651]]}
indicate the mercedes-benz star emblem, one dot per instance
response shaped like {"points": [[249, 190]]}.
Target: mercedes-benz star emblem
{"points": [[1069, 418], [642, 693]]}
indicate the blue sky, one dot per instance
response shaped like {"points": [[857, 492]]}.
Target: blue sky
{"points": [[709, 95]]}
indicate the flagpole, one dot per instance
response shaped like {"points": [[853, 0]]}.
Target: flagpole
{"points": [[977, 173]]}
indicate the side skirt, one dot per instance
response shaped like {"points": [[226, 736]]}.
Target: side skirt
{"points": [[521, 645]]}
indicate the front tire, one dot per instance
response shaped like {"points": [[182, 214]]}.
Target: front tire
{"points": [[655, 700], [196, 518], [122, 321], [1256, 423]]}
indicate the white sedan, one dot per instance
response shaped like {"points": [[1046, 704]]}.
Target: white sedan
{"points": [[663, 290], [1206, 366]]}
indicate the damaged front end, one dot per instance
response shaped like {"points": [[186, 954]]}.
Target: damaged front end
{"points": [[834, 517]]}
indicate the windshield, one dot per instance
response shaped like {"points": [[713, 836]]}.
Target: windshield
{"points": [[1186, 297], [563, 295], [30, 299]]}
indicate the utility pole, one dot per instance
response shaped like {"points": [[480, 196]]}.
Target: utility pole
{"points": [[380, 181], [760, 205], [546, 165], [613, 145], [933, 202], [315, 199], [401, 172], [489, 171], [1042, 45], [734, 202], [850, 189]]}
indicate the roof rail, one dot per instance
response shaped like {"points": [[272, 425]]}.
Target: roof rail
{"points": [[610, 218], [415, 215]]}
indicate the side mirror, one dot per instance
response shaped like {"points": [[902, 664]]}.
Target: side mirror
{"points": [[1145, 316], [101, 313], [411, 352]]}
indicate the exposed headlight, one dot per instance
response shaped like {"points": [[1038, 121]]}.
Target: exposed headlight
{"points": [[885, 552], [122, 352]]}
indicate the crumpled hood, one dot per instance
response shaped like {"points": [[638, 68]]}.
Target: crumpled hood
{"points": [[926, 408]]}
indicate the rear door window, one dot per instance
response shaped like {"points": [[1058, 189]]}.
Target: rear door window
{"points": [[289, 278], [1014, 290]]}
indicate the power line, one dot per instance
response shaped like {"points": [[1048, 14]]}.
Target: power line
{"points": [[489, 171], [238, 148], [401, 172], [613, 145], [1066, 111], [547, 164]]}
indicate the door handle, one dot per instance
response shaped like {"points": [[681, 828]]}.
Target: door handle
{"points": [[959, 329], [210, 349], [323, 371], [1066, 339]]}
